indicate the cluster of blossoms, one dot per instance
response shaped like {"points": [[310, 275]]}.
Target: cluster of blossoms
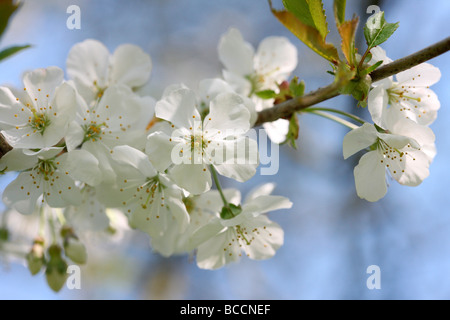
{"points": [[99, 141], [400, 141]]}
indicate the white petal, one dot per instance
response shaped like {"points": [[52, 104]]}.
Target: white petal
{"points": [[414, 169], [61, 192], [211, 201], [370, 177], [422, 75], [275, 59], [205, 233], [192, 177], [359, 139], [277, 130], [209, 88], [263, 204], [82, 166], [135, 158], [211, 254], [235, 53], [21, 194], [74, 136], [88, 61], [239, 83], [16, 160], [268, 238], [42, 82], [10, 110], [227, 113], [130, 66], [262, 190], [377, 104], [159, 149], [239, 158], [178, 107], [422, 135], [379, 54]]}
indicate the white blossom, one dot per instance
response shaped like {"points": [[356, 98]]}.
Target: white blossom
{"points": [[251, 232], [40, 118], [248, 71]]}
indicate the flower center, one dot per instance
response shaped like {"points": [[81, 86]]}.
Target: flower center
{"points": [[46, 167], [92, 131], [39, 122]]}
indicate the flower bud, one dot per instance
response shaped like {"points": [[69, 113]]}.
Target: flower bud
{"points": [[4, 234], [73, 247], [75, 250], [36, 258], [56, 272]]}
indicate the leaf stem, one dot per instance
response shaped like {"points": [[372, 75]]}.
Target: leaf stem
{"points": [[334, 118], [346, 114]]}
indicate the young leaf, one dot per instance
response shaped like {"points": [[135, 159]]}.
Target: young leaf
{"points": [[377, 30], [310, 12], [297, 88], [266, 94], [300, 9], [339, 11], [308, 35], [7, 8], [347, 30], [371, 68], [12, 50], [294, 129], [318, 15]]}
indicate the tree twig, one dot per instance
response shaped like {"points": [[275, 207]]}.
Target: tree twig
{"points": [[286, 109]]}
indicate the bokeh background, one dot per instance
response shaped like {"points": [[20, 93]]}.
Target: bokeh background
{"points": [[331, 236]]}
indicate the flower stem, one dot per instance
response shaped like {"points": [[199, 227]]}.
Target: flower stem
{"points": [[51, 222], [346, 114], [335, 119], [218, 186]]}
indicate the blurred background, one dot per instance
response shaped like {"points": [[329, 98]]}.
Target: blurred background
{"points": [[331, 236]]}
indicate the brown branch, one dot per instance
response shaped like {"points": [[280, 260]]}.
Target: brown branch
{"points": [[287, 108]]}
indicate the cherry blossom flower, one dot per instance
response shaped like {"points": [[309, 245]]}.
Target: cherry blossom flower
{"points": [[52, 177], [196, 143], [410, 95], [40, 118], [248, 71], [151, 200], [222, 241], [94, 69], [405, 149]]}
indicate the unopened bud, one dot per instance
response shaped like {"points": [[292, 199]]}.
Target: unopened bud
{"points": [[75, 250], [56, 272], [36, 257], [4, 234], [73, 247]]}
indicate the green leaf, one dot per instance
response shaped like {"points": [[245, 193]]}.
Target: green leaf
{"points": [[339, 11], [7, 8], [297, 88], [12, 50], [293, 132], [358, 88], [310, 12], [377, 30], [308, 35], [266, 94], [300, 9], [371, 68]]}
